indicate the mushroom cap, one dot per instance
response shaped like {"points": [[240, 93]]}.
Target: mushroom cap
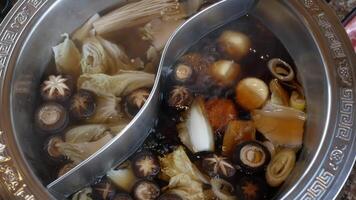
{"points": [[251, 156], [57, 88], [135, 101], [146, 190], [251, 188], [51, 118], [145, 165], [52, 149], [82, 104], [183, 72]]}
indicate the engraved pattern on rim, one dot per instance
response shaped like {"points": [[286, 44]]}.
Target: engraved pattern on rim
{"points": [[10, 176], [345, 116], [316, 188]]}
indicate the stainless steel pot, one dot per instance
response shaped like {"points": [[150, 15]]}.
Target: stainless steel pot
{"points": [[308, 29]]}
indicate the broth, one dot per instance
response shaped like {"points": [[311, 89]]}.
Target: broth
{"points": [[231, 120], [165, 139]]}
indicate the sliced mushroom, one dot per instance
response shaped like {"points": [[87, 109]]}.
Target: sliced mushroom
{"points": [[251, 156], [51, 118], [183, 73], [281, 70]]}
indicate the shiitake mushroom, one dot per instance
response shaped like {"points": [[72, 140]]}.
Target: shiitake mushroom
{"points": [[82, 105], [56, 88], [51, 118], [215, 165], [250, 188], [145, 165], [180, 98], [104, 190], [51, 148], [135, 101], [183, 73], [251, 156], [122, 196], [169, 196], [146, 190]]}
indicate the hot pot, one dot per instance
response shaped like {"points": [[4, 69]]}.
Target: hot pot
{"points": [[308, 29]]}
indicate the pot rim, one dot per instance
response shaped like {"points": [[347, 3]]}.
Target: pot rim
{"points": [[19, 182]]}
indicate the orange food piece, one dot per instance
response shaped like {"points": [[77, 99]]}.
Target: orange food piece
{"points": [[236, 132], [220, 112]]}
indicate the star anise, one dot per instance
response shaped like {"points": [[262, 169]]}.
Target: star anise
{"points": [[56, 88], [250, 190], [218, 165], [135, 101], [139, 97], [103, 190]]}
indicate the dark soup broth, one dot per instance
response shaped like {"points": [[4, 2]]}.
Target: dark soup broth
{"points": [[230, 124]]}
